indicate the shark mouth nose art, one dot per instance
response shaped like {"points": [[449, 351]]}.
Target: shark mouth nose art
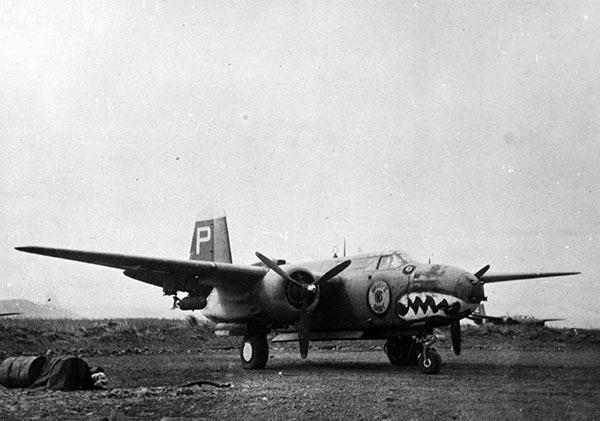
{"points": [[420, 305]]}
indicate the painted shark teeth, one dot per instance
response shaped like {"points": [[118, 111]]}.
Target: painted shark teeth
{"points": [[419, 305]]}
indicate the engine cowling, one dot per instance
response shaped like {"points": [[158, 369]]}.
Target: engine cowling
{"points": [[281, 300]]}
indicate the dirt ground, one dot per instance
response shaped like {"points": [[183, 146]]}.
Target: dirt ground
{"points": [[501, 374]]}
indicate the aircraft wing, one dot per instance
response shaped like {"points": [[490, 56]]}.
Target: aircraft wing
{"points": [[8, 314], [491, 318], [503, 277], [183, 274]]}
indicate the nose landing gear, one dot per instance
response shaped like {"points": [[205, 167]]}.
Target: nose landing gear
{"points": [[430, 362]]}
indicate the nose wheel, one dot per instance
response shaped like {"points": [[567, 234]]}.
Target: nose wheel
{"points": [[430, 362]]}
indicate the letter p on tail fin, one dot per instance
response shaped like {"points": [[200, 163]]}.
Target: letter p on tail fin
{"points": [[210, 240]]}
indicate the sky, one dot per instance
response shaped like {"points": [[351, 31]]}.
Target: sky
{"points": [[462, 132]]}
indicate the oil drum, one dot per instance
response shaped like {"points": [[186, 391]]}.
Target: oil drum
{"points": [[20, 371]]}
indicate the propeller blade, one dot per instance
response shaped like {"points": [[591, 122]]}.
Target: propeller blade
{"points": [[304, 325], [275, 268], [482, 271], [333, 272], [455, 334]]}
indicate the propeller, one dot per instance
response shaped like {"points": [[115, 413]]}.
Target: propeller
{"points": [[304, 325], [482, 271], [306, 291], [331, 273], [275, 268], [455, 335], [455, 324]]}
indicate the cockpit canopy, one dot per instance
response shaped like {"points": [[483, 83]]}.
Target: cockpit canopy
{"points": [[390, 260], [393, 261]]}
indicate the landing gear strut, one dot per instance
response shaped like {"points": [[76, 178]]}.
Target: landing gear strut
{"points": [[430, 361]]}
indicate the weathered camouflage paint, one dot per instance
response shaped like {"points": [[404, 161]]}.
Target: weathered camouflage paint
{"points": [[210, 241], [342, 304]]}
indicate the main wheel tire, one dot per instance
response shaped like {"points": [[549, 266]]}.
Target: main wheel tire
{"points": [[430, 362], [254, 352]]}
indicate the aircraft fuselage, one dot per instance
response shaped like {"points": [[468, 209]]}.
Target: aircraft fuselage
{"points": [[373, 295]]}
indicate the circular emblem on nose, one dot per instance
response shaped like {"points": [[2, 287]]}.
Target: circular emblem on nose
{"points": [[379, 297], [408, 269]]}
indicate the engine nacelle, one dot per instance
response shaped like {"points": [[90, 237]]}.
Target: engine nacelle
{"points": [[281, 300], [192, 303]]}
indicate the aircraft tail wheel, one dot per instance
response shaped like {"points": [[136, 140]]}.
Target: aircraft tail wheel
{"points": [[430, 361], [254, 352]]}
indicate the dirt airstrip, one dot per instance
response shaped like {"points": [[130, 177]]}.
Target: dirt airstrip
{"points": [[503, 373]]}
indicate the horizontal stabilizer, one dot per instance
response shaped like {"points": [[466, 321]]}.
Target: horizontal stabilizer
{"points": [[503, 277]]}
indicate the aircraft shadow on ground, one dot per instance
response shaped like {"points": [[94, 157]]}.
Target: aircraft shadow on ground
{"points": [[454, 368]]}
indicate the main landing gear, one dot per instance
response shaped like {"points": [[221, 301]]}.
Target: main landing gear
{"points": [[254, 352], [254, 349], [406, 350]]}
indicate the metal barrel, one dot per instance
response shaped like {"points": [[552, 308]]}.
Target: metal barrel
{"points": [[20, 371]]}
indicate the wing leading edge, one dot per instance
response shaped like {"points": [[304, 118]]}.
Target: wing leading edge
{"points": [[156, 271], [8, 314], [503, 277]]}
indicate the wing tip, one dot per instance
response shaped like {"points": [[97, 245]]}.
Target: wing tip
{"points": [[29, 249]]}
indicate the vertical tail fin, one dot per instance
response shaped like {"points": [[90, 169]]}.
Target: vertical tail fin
{"points": [[210, 240]]}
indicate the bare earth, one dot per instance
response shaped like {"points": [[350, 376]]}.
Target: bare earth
{"points": [[501, 374]]}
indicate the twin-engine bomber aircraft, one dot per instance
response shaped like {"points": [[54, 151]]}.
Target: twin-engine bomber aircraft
{"points": [[369, 296]]}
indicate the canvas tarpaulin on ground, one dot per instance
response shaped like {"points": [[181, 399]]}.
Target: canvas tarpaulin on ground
{"points": [[64, 372]]}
